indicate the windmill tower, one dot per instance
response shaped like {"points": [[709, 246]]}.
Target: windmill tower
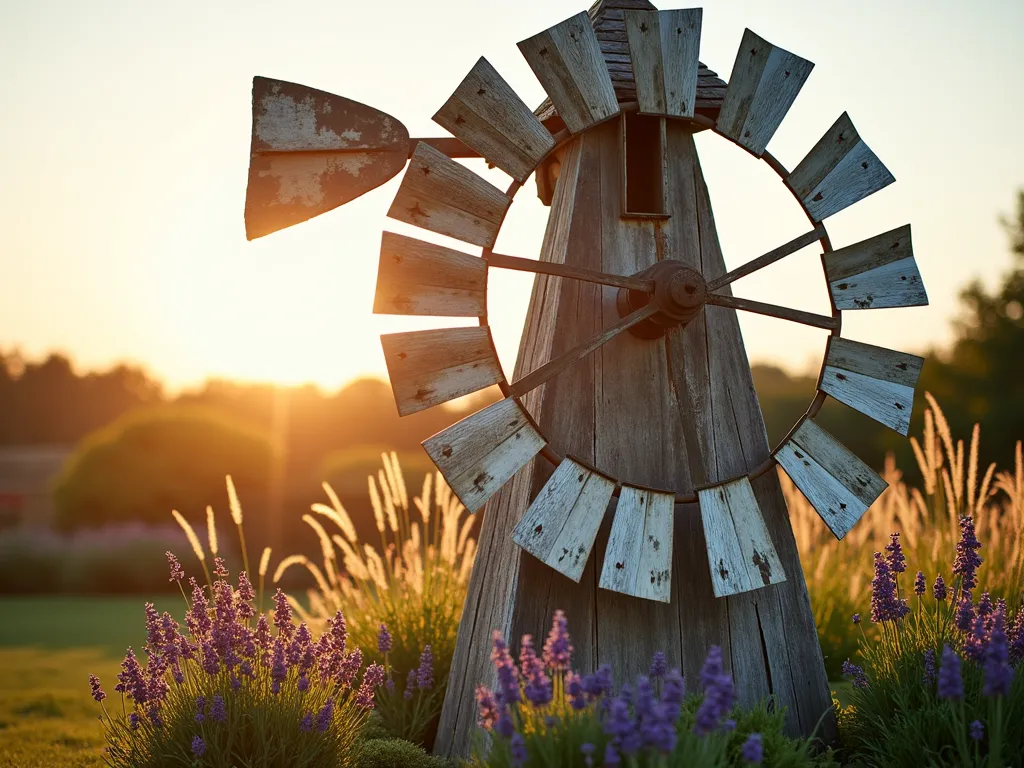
{"points": [[626, 474]]}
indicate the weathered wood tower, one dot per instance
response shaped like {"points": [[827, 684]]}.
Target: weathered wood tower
{"points": [[627, 474]]}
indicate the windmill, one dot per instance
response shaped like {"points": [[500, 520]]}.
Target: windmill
{"points": [[626, 471]]}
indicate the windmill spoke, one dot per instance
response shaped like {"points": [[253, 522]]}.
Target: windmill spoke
{"points": [[687, 409], [769, 258], [502, 261], [553, 367], [773, 310]]}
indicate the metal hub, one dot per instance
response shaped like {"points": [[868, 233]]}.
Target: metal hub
{"points": [[679, 292]]}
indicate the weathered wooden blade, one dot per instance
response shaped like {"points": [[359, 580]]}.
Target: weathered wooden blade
{"points": [[663, 48], [419, 278], [740, 551], [313, 151], [488, 116], [764, 84], [638, 558], [837, 484], [839, 171], [876, 381], [482, 452], [561, 524], [876, 273], [443, 196], [567, 60], [428, 368]]}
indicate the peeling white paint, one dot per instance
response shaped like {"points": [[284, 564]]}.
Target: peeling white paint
{"points": [[300, 180], [352, 135], [284, 123]]}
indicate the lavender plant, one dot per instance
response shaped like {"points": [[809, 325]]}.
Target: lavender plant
{"points": [[232, 690], [544, 714], [941, 681]]}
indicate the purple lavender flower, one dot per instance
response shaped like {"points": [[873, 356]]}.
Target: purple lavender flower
{"points": [[508, 675], [324, 716], [282, 614], [929, 666], [985, 606], [153, 634], [198, 616], [575, 690], [599, 683], [133, 721], [856, 674], [504, 727], [303, 684], [752, 750], [200, 708], [425, 673], [659, 665], [951, 684], [246, 595], [97, 691], [620, 725], [1016, 637], [339, 632], [487, 707], [538, 689], [349, 668], [976, 640], [977, 730], [131, 679], [894, 554], [218, 713], [279, 665], [373, 677], [885, 605], [587, 749], [211, 661], [919, 584], [964, 614], [198, 746], [557, 649], [383, 640], [518, 749], [300, 651], [967, 559], [673, 690], [855, 618], [306, 723], [219, 569], [177, 573], [611, 755], [410, 683], [998, 672], [529, 663], [718, 693], [939, 588]]}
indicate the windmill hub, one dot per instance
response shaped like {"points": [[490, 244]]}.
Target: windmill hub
{"points": [[679, 292]]}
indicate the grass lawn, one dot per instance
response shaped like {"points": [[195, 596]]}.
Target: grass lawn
{"points": [[48, 648]]}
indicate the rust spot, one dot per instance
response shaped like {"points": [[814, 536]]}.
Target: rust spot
{"points": [[903, 277], [895, 245], [643, 27], [655, 544], [446, 451], [841, 139], [753, 51], [798, 454], [722, 570], [460, 120], [761, 563], [901, 366], [817, 198], [898, 406], [786, 73], [841, 377], [416, 211], [843, 286], [402, 355], [579, 479], [543, 51], [842, 506], [619, 566], [679, 31], [746, 134], [423, 394], [539, 529], [480, 480], [481, 92], [863, 482], [564, 553], [864, 165], [426, 170]]}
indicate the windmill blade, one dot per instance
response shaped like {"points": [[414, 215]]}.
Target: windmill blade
{"points": [[837, 484], [663, 49], [638, 558], [313, 151], [567, 60], [443, 196], [876, 273], [764, 84], [839, 171], [876, 381], [488, 116], [482, 452], [428, 368], [740, 551], [419, 278], [561, 524]]}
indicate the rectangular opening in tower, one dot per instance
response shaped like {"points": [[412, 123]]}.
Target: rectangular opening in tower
{"points": [[643, 159]]}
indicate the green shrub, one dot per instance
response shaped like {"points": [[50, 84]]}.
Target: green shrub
{"points": [[395, 753], [148, 462]]}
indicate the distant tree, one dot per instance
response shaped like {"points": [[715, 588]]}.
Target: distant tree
{"points": [[147, 463]]}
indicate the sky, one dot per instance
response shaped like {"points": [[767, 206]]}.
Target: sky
{"points": [[124, 143]]}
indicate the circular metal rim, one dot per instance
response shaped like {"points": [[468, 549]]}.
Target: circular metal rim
{"points": [[563, 137]]}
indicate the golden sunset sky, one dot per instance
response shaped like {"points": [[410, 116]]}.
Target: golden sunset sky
{"points": [[124, 136]]}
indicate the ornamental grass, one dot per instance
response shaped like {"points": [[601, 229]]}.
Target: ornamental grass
{"points": [[414, 583], [839, 573]]}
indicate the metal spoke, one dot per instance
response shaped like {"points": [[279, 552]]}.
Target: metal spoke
{"points": [[552, 367], [773, 310], [771, 257], [563, 270]]}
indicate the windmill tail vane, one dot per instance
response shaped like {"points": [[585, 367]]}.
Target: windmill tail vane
{"points": [[313, 151]]}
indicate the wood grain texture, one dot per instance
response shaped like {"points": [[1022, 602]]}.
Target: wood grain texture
{"points": [[837, 484], [876, 362], [740, 550], [443, 196], [561, 524], [663, 46], [625, 542], [654, 573], [839, 171], [764, 84], [431, 367], [482, 452], [567, 60], [876, 273], [419, 278], [488, 116]]}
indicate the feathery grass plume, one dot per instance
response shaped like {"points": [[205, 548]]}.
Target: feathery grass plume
{"points": [[336, 513], [264, 565], [193, 540], [389, 501], [236, 517], [378, 509], [211, 530]]}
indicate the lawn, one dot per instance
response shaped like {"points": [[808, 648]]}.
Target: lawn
{"points": [[48, 648]]}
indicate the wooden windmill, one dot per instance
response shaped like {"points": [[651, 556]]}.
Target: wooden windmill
{"points": [[626, 473]]}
